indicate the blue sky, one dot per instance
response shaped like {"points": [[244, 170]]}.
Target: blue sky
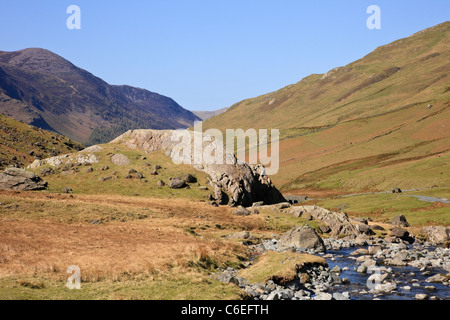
{"points": [[210, 54]]}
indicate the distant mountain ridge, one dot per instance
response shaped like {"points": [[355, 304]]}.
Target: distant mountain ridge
{"points": [[205, 115], [41, 88]]}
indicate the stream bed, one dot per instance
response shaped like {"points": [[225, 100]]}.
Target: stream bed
{"points": [[409, 280]]}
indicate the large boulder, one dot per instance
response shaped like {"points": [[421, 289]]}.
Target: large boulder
{"points": [[400, 233], [338, 222], [436, 234], [21, 180], [120, 159], [303, 237], [176, 183], [400, 221]]}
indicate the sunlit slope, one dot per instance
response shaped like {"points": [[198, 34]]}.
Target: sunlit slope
{"points": [[379, 122]]}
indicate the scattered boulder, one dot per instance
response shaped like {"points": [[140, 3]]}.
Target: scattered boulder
{"points": [[139, 175], [282, 205], [105, 168], [421, 296], [438, 278], [400, 233], [292, 199], [67, 190], [396, 190], [87, 159], [46, 171], [21, 180], [338, 222], [373, 249], [400, 221], [189, 178], [364, 229], [120, 160], [240, 235], [241, 211], [160, 183], [176, 183], [303, 237]]}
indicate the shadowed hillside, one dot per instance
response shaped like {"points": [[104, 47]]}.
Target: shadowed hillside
{"points": [[43, 89], [21, 144]]}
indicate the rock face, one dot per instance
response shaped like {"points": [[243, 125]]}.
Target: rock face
{"points": [[303, 237], [234, 182], [21, 180]]}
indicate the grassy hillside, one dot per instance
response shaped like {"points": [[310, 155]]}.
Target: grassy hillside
{"points": [[21, 143], [379, 122]]}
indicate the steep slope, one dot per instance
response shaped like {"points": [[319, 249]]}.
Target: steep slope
{"points": [[40, 87], [21, 143], [379, 122]]}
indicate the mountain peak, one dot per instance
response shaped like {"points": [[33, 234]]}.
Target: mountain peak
{"points": [[37, 59]]}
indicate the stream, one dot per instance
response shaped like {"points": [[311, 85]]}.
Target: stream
{"points": [[375, 270], [410, 280]]}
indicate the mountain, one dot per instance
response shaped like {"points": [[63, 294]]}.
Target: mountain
{"points": [[41, 88], [379, 122], [21, 144], [205, 115]]}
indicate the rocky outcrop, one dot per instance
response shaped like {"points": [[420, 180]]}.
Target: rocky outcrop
{"points": [[303, 237], [338, 222], [21, 180], [64, 159], [234, 182]]}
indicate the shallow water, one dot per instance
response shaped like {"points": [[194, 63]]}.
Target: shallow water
{"points": [[358, 281]]}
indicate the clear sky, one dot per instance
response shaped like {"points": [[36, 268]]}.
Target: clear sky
{"points": [[210, 54]]}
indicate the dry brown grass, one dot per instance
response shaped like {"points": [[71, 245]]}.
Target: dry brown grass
{"points": [[42, 245]]}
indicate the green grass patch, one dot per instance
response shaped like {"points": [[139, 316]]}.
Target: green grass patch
{"points": [[383, 207], [118, 177], [167, 287], [281, 267]]}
